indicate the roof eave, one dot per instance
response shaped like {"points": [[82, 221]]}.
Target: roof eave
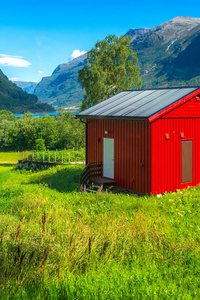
{"points": [[112, 117]]}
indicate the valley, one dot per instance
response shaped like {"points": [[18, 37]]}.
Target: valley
{"points": [[168, 57]]}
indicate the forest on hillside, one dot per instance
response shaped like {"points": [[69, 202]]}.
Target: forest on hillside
{"points": [[14, 99]]}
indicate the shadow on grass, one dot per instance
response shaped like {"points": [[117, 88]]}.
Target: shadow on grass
{"points": [[65, 179], [120, 190]]}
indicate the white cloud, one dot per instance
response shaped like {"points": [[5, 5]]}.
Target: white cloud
{"points": [[40, 74], [7, 55], [77, 53], [14, 79], [13, 61]]}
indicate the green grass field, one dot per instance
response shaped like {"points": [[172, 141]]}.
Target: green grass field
{"points": [[56, 243], [8, 157]]}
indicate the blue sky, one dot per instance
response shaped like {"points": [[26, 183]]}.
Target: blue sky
{"points": [[37, 36]]}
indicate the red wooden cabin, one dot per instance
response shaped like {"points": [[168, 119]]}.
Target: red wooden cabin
{"points": [[148, 140]]}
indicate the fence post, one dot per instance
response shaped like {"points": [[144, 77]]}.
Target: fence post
{"points": [[62, 157], [69, 157], [27, 155], [23, 155], [32, 155], [42, 156], [49, 156], [55, 157]]}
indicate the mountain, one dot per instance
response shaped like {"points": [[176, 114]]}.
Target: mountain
{"points": [[27, 86], [169, 53], [16, 100], [134, 33], [168, 56], [62, 87]]}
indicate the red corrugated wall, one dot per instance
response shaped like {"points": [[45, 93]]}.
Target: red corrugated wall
{"points": [[131, 150], [166, 154]]}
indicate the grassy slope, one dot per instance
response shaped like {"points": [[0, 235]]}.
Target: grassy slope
{"points": [[141, 247]]}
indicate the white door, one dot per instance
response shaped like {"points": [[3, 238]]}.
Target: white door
{"points": [[108, 158]]}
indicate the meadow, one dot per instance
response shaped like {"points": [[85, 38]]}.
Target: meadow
{"points": [[58, 243], [8, 157]]}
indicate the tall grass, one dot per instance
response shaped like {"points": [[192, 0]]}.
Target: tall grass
{"points": [[56, 243]]}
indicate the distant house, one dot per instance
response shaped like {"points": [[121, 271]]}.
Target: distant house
{"points": [[148, 140]]}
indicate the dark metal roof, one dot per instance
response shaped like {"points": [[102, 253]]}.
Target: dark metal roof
{"points": [[137, 104]]}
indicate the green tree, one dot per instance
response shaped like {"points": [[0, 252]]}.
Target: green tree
{"points": [[23, 134], [40, 145], [47, 130], [71, 132], [6, 115], [111, 67]]}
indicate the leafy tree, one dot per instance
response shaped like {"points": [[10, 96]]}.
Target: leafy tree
{"points": [[71, 132], [7, 115], [40, 145], [5, 127], [111, 67], [61, 110], [23, 134], [47, 130]]}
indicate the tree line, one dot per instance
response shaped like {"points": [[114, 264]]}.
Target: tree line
{"points": [[42, 133]]}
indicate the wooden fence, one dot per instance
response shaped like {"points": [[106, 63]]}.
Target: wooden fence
{"points": [[34, 156]]}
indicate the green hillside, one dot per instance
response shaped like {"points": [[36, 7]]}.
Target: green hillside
{"points": [[16, 100], [62, 88]]}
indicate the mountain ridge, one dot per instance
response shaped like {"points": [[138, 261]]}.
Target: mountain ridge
{"points": [[28, 86], [167, 57]]}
